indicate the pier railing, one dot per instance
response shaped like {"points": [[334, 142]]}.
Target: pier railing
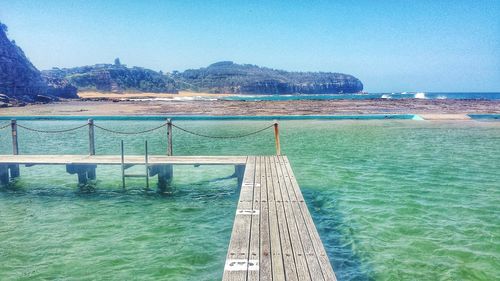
{"points": [[168, 124]]}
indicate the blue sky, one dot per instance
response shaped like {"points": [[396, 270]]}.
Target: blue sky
{"points": [[390, 45]]}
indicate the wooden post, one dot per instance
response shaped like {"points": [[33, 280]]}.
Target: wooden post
{"points": [[146, 162], [15, 147], [91, 137], [14, 169], [123, 165], [91, 172], [277, 137], [169, 138]]}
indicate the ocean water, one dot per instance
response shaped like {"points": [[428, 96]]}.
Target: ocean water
{"points": [[364, 96], [392, 200]]}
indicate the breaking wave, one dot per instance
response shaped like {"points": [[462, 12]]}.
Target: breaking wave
{"points": [[420, 96]]}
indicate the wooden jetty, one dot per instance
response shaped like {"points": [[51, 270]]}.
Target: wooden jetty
{"points": [[273, 235]]}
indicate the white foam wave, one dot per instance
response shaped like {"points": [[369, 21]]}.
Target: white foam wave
{"points": [[386, 96], [420, 96], [441, 97]]}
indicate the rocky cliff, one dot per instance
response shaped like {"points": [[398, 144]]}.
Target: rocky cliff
{"points": [[20, 81], [228, 77]]}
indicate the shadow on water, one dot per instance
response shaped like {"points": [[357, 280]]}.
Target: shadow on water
{"points": [[338, 242], [220, 188]]}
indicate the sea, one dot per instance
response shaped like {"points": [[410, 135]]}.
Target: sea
{"points": [[355, 96], [392, 200], [365, 96]]}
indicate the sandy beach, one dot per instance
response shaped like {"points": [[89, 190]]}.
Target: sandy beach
{"points": [[120, 104]]}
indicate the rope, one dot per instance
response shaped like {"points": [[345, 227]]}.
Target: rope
{"points": [[7, 124], [222, 137], [130, 133], [52, 131]]}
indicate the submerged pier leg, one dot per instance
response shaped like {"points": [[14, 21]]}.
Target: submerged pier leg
{"points": [[84, 172], [4, 175], [14, 171], [82, 178], [165, 174], [91, 175], [239, 170]]}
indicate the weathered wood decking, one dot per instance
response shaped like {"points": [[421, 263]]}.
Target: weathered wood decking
{"points": [[116, 160], [274, 237]]}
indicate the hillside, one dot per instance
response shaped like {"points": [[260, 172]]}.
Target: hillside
{"points": [[114, 78], [228, 77], [20, 81]]}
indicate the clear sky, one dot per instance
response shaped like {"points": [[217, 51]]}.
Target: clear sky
{"points": [[445, 45]]}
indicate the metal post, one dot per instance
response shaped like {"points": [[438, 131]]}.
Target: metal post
{"points": [[123, 166], [277, 138], [147, 163], [169, 138], [91, 137]]}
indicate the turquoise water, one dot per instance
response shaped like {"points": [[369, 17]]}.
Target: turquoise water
{"points": [[392, 200], [365, 96]]}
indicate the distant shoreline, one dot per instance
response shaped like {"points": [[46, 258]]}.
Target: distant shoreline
{"points": [[428, 109]]}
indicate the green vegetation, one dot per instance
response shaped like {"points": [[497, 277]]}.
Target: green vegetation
{"points": [[221, 77], [115, 78], [228, 77]]}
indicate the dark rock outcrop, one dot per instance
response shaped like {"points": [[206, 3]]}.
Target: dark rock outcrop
{"points": [[19, 79], [21, 82], [228, 77]]}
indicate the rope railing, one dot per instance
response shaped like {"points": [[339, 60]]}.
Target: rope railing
{"points": [[168, 124], [222, 137], [51, 131], [131, 133], [5, 125]]}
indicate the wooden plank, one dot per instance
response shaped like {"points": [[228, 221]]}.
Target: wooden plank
{"points": [[116, 160], [236, 266], [265, 265], [301, 230], [254, 249], [295, 242], [286, 244], [326, 267], [278, 271]]}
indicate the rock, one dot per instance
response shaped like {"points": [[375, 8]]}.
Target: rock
{"points": [[4, 98], [19, 79], [44, 99], [60, 87], [228, 77]]}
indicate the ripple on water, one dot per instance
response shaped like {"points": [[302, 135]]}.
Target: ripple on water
{"points": [[392, 200]]}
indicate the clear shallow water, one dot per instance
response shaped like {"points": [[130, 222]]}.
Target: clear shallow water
{"points": [[401, 200]]}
